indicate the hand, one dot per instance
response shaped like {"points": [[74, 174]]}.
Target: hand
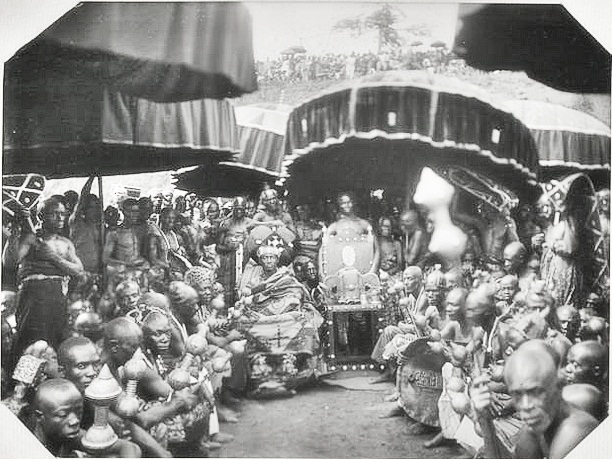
{"points": [[220, 329], [186, 399], [497, 405], [481, 394], [23, 215], [405, 328], [560, 247], [537, 240], [122, 429], [140, 262]]}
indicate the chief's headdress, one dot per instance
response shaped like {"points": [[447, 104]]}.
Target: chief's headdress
{"points": [[200, 276], [268, 194], [267, 250]]}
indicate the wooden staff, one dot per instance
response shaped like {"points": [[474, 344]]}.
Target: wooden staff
{"points": [[491, 445]]}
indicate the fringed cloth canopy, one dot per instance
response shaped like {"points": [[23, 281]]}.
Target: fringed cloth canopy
{"points": [[381, 131], [568, 140], [66, 126], [166, 52], [262, 130]]}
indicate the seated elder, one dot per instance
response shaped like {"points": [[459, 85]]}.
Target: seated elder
{"points": [[221, 332], [552, 428], [179, 413], [79, 363], [280, 324], [400, 318], [58, 407]]}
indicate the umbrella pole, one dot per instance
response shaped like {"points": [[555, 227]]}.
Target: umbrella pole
{"points": [[102, 230]]}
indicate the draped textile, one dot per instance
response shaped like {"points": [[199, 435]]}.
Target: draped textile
{"points": [[545, 41], [166, 52], [568, 141], [381, 129], [281, 318], [261, 129], [281, 328], [65, 125]]}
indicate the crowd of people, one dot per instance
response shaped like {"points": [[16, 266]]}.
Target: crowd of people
{"points": [[304, 67], [189, 304]]}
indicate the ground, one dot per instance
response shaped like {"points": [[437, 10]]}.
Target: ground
{"points": [[329, 421]]}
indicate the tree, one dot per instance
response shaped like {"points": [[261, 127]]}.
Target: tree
{"points": [[382, 19]]}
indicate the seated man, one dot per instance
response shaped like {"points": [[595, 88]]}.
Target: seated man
{"points": [[127, 295], [402, 315], [220, 331], [79, 362], [122, 338], [569, 321], [279, 322], [58, 406], [515, 258], [587, 363], [185, 307], [508, 287], [551, 428]]}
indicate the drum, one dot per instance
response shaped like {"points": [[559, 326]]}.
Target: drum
{"points": [[420, 382]]}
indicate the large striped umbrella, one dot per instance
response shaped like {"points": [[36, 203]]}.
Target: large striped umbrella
{"points": [[545, 41], [568, 140], [382, 130], [167, 52], [262, 129], [71, 126]]}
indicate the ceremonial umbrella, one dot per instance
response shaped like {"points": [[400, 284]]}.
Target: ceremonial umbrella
{"points": [[262, 129], [568, 140], [78, 98], [545, 41], [65, 125], [294, 50], [382, 130], [164, 51], [115, 88]]}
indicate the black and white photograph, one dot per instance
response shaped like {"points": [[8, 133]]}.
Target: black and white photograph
{"points": [[330, 229]]}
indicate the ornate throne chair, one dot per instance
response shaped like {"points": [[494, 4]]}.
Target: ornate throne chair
{"points": [[353, 302]]}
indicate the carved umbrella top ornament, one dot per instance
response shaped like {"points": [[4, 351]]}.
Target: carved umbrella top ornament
{"points": [[102, 391]]}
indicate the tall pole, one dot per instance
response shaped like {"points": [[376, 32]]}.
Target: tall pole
{"points": [[102, 238]]}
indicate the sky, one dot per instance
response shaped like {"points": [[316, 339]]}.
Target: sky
{"points": [[278, 25]]}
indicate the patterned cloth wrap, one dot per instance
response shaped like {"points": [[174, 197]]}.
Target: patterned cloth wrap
{"points": [[200, 277], [281, 330], [588, 270], [185, 427], [392, 312]]}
